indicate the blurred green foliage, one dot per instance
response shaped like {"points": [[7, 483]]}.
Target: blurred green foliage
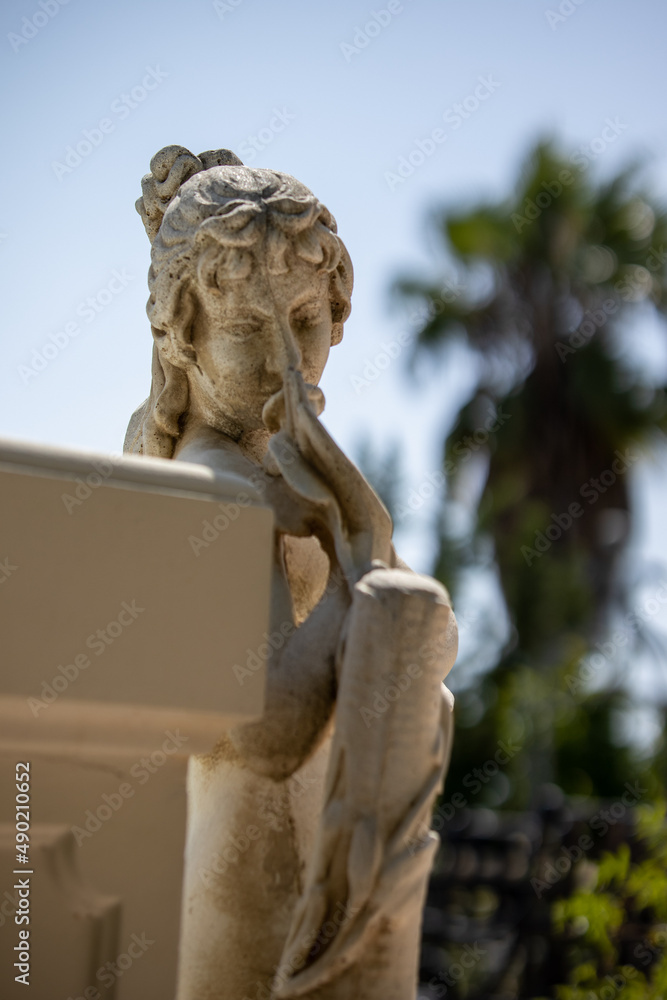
{"points": [[546, 290], [616, 924]]}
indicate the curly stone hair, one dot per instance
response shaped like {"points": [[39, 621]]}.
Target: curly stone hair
{"points": [[203, 215]]}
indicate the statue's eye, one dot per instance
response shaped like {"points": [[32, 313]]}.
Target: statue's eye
{"points": [[308, 314], [243, 329]]}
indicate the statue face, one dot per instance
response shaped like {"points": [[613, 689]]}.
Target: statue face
{"points": [[247, 334]]}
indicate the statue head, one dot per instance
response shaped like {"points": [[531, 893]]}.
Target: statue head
{"points": [[248, 278]]}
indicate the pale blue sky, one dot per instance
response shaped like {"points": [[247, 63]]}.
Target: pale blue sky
{"points": [[345, 119]]}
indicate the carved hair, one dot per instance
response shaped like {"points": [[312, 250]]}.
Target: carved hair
{"points": [[203, 214]]}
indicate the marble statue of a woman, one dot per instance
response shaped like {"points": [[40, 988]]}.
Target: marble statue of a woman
{"points": [[308, 843]]}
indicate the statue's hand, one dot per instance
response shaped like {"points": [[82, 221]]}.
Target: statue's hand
{"points": [[314, 466]]}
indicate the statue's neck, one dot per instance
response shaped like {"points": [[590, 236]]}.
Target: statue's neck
{"points": [[198, 435], [254, 444]]}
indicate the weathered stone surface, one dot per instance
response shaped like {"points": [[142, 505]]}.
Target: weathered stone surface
{"points": [[308, 845]]}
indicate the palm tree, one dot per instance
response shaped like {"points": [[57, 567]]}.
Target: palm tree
{"points": [[553, 282]]}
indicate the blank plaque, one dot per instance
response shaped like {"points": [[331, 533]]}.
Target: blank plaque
{"points": [[130, 589]]}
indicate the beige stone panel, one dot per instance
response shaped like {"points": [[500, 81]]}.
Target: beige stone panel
{"points": [[124, 612]]}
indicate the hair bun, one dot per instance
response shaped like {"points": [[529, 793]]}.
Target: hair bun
{"points": [[170, 167], [219, 158]]}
